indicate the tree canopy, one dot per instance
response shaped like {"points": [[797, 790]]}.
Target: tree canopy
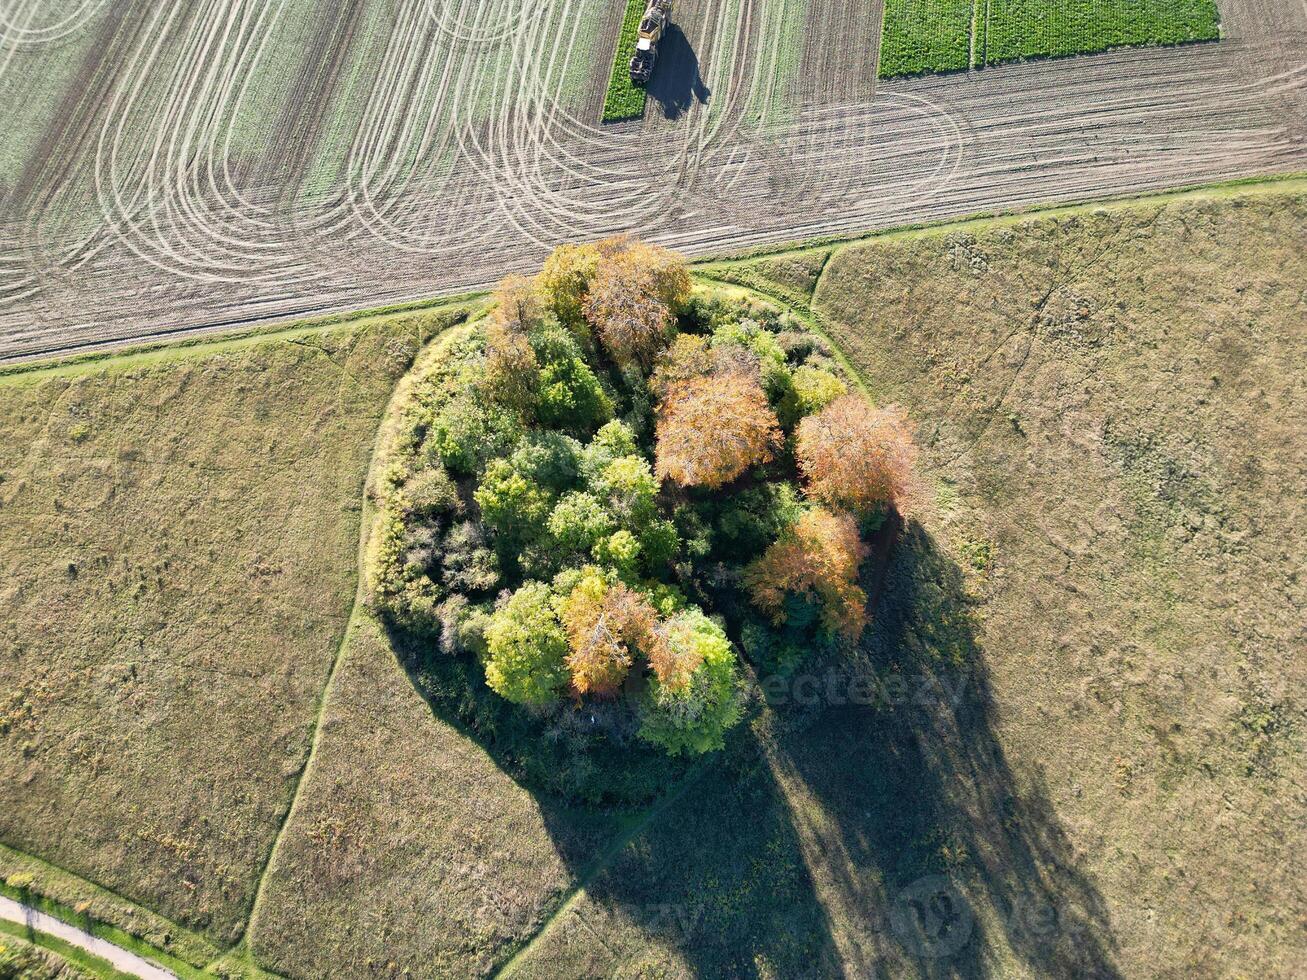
{"points": [[608, 478]]}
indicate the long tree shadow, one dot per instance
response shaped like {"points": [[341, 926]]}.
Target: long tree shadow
{"points": [[867, 822], [676, 83], [870, 823], [708, 871], [957, 864]]}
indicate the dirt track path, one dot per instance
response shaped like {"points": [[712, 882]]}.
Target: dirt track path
{"points": [[472, 149], [118, 957]]}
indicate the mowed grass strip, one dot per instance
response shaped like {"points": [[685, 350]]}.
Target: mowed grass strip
{"points": [[928, 36], [924, 36], [1084, 653], [623, 100], [178, 544]]}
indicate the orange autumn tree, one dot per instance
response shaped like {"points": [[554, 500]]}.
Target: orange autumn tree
{"points": [[817, 557], [605, 625], [711, 429], [634, 293], [688, 356], [512, 369], [857, 456]]}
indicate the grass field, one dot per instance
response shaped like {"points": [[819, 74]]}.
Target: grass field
{"points": [[26, 955], [1079, 714], [924, 36], [408, 843], [1111, 404], [177, 550]]}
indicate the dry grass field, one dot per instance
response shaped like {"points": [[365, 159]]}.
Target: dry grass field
{"points": [[1071, 743], [1113, 405], [408, 844], [1110, 576], [178, 539]]}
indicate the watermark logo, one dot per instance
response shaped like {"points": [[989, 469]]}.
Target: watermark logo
{"points": [[931, 918], [836, 689]]}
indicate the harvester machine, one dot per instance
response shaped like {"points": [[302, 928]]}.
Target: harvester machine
{"points": [[653, 25]]}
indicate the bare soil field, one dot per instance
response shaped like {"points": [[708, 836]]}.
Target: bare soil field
{"points": [[178, 538], [191, 166]]}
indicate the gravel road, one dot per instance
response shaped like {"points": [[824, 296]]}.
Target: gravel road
{"points": [[120, 958]]}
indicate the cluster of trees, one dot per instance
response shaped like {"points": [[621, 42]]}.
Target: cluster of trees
{"points": [[607, 460]]}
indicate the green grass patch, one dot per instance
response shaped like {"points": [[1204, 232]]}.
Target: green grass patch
{"points": [[26, 954], [927, 36], [624, 100]]}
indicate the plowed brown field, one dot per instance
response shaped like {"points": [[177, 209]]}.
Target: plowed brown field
{"points": [[188, 166]]}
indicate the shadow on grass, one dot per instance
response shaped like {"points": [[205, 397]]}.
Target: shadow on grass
{"points": [[956, 864], [676, 83], [866, 823]]}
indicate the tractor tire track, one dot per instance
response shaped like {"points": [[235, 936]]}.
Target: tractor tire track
{"points": [[472, 151]]}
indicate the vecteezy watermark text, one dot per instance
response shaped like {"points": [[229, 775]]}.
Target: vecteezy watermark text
{"points": [[834, 688]]}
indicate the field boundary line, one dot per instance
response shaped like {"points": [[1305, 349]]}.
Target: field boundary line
{"points": [[366, 516], [601, 862], [205, 338], [1238, 187]]}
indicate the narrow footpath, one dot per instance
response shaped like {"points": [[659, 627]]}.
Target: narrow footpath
{"points": [[118, 957]]}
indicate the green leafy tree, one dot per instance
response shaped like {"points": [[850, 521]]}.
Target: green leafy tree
{"points": [[691, 717], [569, 395], [468, 563], [815, 388], [430, 492], [512, 504], [526, 648], [619, 551], [629, 491], [579, 521], [471, 429], [659, 544], [565, 280]]}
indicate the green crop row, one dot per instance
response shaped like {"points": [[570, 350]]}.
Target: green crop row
{"points": [[925, 36], [1042, 29], [624, 100]]}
